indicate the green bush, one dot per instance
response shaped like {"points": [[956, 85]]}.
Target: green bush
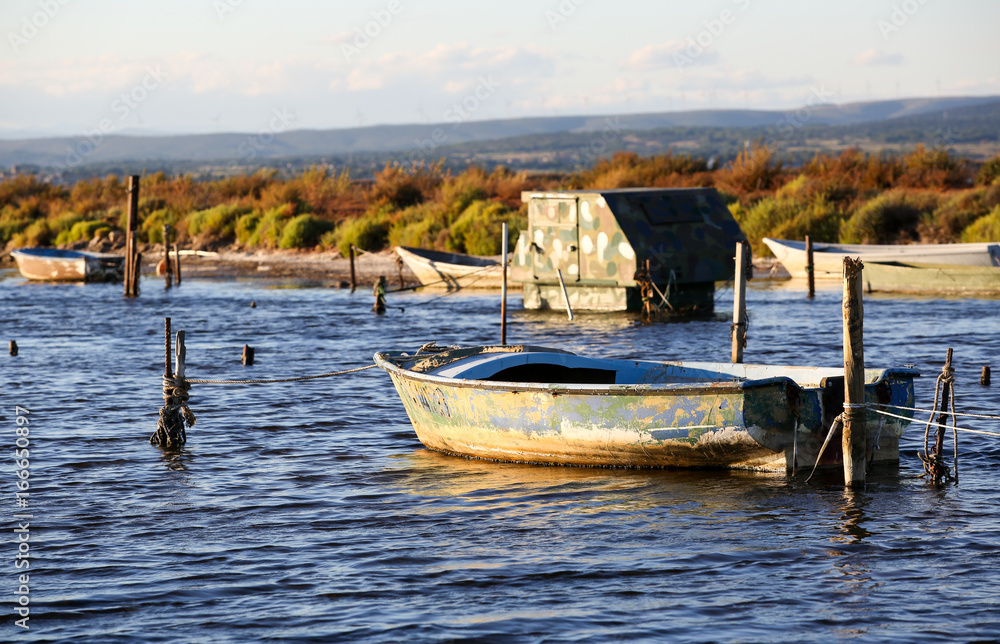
{"points": [[246, 226], [81, 231], [419, 226], [369, 232], [152, 226], [788, 218], [984, 229], [215, 223], [271, 225], [477, 230], [989, 172], [891, 217], [303, 231], [38, 233]]}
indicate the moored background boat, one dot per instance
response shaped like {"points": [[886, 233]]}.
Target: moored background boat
{"points": [[58, 265], [452, 271], [828, 259]]}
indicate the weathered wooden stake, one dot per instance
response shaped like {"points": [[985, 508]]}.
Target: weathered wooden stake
{"points": [[855, 435], [503, 286], [810, 267], [167, 272], [354, 282], [247, 358], [13, 348], [177, 265], [984, 379], [131, 247], [569, 309], [739, 334]]}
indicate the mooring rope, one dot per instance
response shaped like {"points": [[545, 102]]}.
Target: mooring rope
{"points": [[442, 281], [276, 380], [934, 411], [933, 424]]}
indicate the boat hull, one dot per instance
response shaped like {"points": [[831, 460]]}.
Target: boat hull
{"points": [[452, 271], [54, 265], [761, 424], [828, 259], [923, 278]]}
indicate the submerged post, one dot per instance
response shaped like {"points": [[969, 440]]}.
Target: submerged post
{"points": [[503, 285], [354, 283], [562, 283], [177, 265], [740, 304], [984, 378], [810, 267], [855, 444]]}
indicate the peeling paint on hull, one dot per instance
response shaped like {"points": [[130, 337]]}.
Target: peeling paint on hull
{"points": [[677, 421]]}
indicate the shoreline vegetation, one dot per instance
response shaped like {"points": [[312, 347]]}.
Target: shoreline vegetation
{"points": [[924, 196]]}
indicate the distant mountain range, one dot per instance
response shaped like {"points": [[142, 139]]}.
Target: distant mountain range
{"points": [[718, 133]]}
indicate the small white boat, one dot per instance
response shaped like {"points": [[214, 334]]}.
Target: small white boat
{"points": [[536, 405], [56, 265], [452, 271], [828, 259]]}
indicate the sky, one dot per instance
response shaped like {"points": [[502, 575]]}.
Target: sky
{"points": [[69, 67]]}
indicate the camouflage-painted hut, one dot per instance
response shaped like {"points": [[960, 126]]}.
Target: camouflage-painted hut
{"points": [[600, 238]]}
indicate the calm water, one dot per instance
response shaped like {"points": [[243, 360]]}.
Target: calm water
{"points": [[310, 512]]}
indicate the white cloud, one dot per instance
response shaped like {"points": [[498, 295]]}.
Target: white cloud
{"points": [[873, 57], [671, 54]]}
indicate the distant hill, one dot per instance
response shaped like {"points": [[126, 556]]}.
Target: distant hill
{"points": [[560, 142]]}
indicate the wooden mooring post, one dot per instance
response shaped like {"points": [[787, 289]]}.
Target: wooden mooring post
{"points": [[855, 434], [739, 334], [984, 378], [167, 270], [810, 267], [354, 282], [177, 265], [132, 256], [503, 285]]}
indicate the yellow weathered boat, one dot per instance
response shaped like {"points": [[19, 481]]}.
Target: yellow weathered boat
{"points": [[539, 405]]}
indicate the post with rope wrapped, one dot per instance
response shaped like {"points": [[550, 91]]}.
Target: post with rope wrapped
{"points": [[175, 412], [854, 417], [944, 391], [739, 333]]}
